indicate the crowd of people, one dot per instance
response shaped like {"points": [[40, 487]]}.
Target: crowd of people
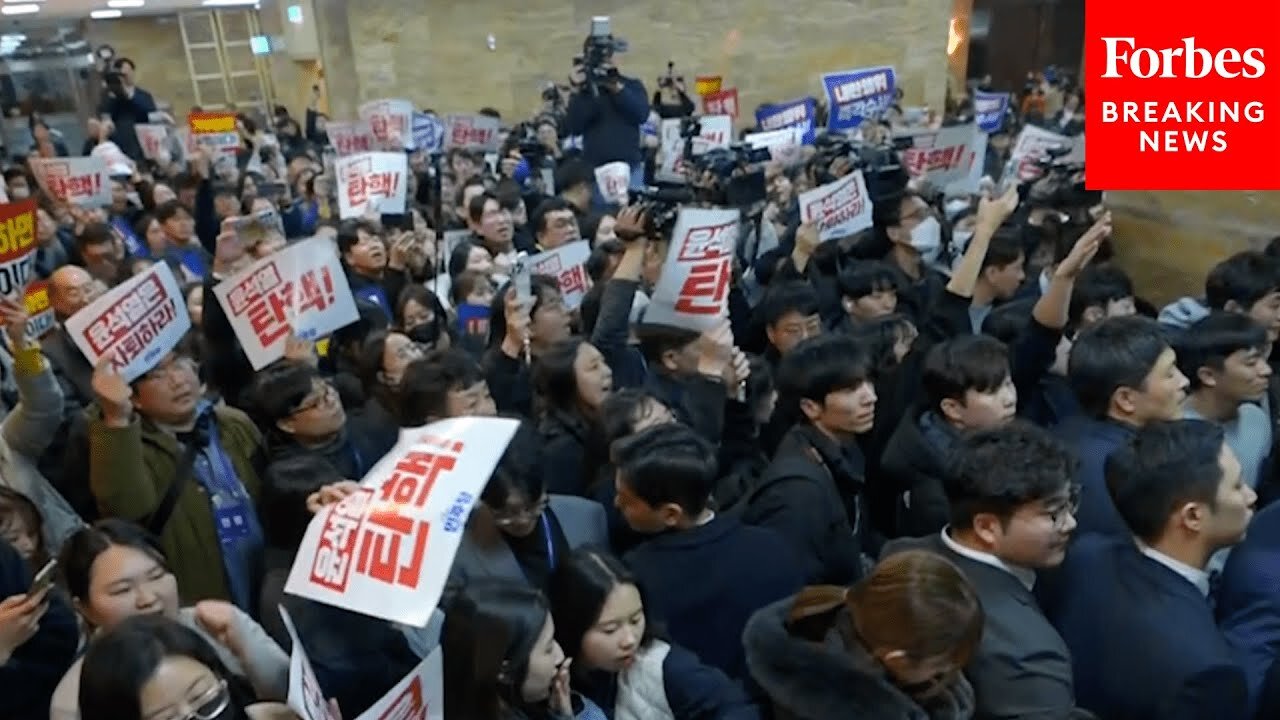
{"points": [[952, 466]]}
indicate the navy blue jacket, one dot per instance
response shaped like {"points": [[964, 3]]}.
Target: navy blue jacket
{"points": [[609, 123], [703, 583], [1248, 606], [36, 667], [1143, 641], [1093, 441]]}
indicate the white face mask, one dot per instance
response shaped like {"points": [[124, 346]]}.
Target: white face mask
{"points": [[926, 239]]}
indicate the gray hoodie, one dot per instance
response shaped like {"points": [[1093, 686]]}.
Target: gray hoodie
{"points": [[1183, 313]]}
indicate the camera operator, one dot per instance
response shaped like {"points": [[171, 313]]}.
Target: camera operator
{"points": [[672, 100], [607, 110], [127, 105]]}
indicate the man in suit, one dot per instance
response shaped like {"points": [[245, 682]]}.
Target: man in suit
{"points": [[1248, 604], [1012, 503], [1136, 615]]}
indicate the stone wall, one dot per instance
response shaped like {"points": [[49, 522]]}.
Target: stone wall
{"points": [[154, 43]]}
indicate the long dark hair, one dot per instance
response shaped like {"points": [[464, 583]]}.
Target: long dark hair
{"points": [[121, 661], [579, 590], [489, 632], [84, 546]]}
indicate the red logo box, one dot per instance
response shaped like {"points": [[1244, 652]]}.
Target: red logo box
{"points": [[1182, 95]]}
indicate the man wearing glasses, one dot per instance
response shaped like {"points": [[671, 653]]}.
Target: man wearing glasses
{"points": [[1013, 507]]}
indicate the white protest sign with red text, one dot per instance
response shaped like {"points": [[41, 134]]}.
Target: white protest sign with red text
{"points": [[472, 131], [386, 549], [1030, 148], [306, 698], [613, 180], [366, 176], [722, 102], [152, 138], [301, 288], [568, 265], [419, 696], [17, 245], [839, 208], [79, 181], [671, 163], [717, 132], [944, 155], [351, 138], [135, 323], [694, 285], [389, 119]]}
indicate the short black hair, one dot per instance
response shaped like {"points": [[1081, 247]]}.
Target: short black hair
{"points": [[425, 388], [1004, 249], [1117, 352], [573, 173], [1097, 286], [349, 233], [171, 209], [538, 220], [475, 208], [999, 470], [95, 234], [519, 470], [868, 277], [622, 410], [280, 388], [1164, 466], [657, 340], [460, 192], [122, 61], [1007, 321], [967, 362], [598, 261], [668, 464], [1211, 340], [1244, 278], [508, 194], [819, 366], [791, 297]]}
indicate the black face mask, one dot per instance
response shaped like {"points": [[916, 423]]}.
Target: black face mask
{"points": [[426, 334]]}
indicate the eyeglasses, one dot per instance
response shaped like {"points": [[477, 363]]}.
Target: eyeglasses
{"points": [[322, 395], [508, 518], [209, 705], [1060, 512], [170, 370]]}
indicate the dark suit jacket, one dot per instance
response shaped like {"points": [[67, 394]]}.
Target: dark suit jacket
{"points": [[582, 521], [1093, 441], [1022, 669], [1143, 641], [1248, 606]]}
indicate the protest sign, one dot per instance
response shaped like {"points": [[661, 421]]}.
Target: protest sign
{"points": [[721, 102], [782, 144], [419, 696], [40, 319], [389, 119], [473, 320], [1030, 149], [472, 131], [707, 84], [613, 180], [989, 110], [855, 95], [301, 289], [305, 697], [717, 132], [386, 549], [568, 265], [80, 181], [153, 139], [800, 113], [428, 132], [694, 284], [364, 177], [350, 138], [670, 167], [972, 182], [17, 245], [839, 208], [944, 155], [135, 324]]}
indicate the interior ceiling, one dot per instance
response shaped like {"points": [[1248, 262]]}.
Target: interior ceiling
{"points": [[82, 8]]}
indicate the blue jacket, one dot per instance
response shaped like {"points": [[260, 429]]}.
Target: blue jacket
{"points": [[1143, 641], [1248, 606], [36, 667], [609, 123], [1093, 441]]}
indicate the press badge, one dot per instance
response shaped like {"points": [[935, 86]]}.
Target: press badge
{"points": [[232, 523]]}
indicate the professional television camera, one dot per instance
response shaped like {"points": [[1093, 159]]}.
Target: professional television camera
{"points": [[880, 163], [597, 54], [1061, 187]]}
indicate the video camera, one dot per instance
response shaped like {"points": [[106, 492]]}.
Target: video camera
{"points": [[597, 54], [880, 164], [661, 206], [670, 78]]}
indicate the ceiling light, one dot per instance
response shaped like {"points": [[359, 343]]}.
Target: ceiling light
{"points": [[228, 3], [24, 9], [126, 3], [105, 14]]}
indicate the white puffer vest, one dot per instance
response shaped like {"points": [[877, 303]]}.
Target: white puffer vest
{"points": [[642, 694]]}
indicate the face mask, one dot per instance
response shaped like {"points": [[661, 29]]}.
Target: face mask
{"points": [[20, 193], [426, 334], [926, 239]]}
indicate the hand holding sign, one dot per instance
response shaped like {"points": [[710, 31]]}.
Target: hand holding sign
{"points": [[331, 495], [218, 619], [113, 394]]}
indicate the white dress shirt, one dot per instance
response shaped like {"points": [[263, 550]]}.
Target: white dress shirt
{"points": [[1026, 576], [1193, 575]]}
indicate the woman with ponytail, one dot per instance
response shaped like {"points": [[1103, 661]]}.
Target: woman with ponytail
{"points": [[892, 646]]}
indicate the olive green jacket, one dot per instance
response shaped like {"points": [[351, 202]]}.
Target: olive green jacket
{"points": [[130, 470]]}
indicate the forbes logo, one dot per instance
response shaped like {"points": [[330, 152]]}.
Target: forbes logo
{"points": [[1196, 62]]}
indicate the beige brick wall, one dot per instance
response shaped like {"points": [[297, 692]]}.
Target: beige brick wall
{"points": [[435, 53], [155, 44]]}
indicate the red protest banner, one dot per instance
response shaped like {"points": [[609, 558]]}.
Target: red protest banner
{"points": [[721, 102]]}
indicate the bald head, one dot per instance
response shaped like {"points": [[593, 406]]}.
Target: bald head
{"points": [[70, 288]]}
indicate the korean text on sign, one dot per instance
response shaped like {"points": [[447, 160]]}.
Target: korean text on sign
{"points": [[386, 549], [724, 102], [839, 209], [134, 324], [300, 289], [419, 696], [306, 697], [1030, 148], [568, 265], [471, 131], [944, 156], [694, 285], [389, 120], [17, 245], [367, 177], [350, 138], [855, 95], [81, 180]]}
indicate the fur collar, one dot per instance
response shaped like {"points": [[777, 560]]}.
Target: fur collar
{"points": [[825, 681]]}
